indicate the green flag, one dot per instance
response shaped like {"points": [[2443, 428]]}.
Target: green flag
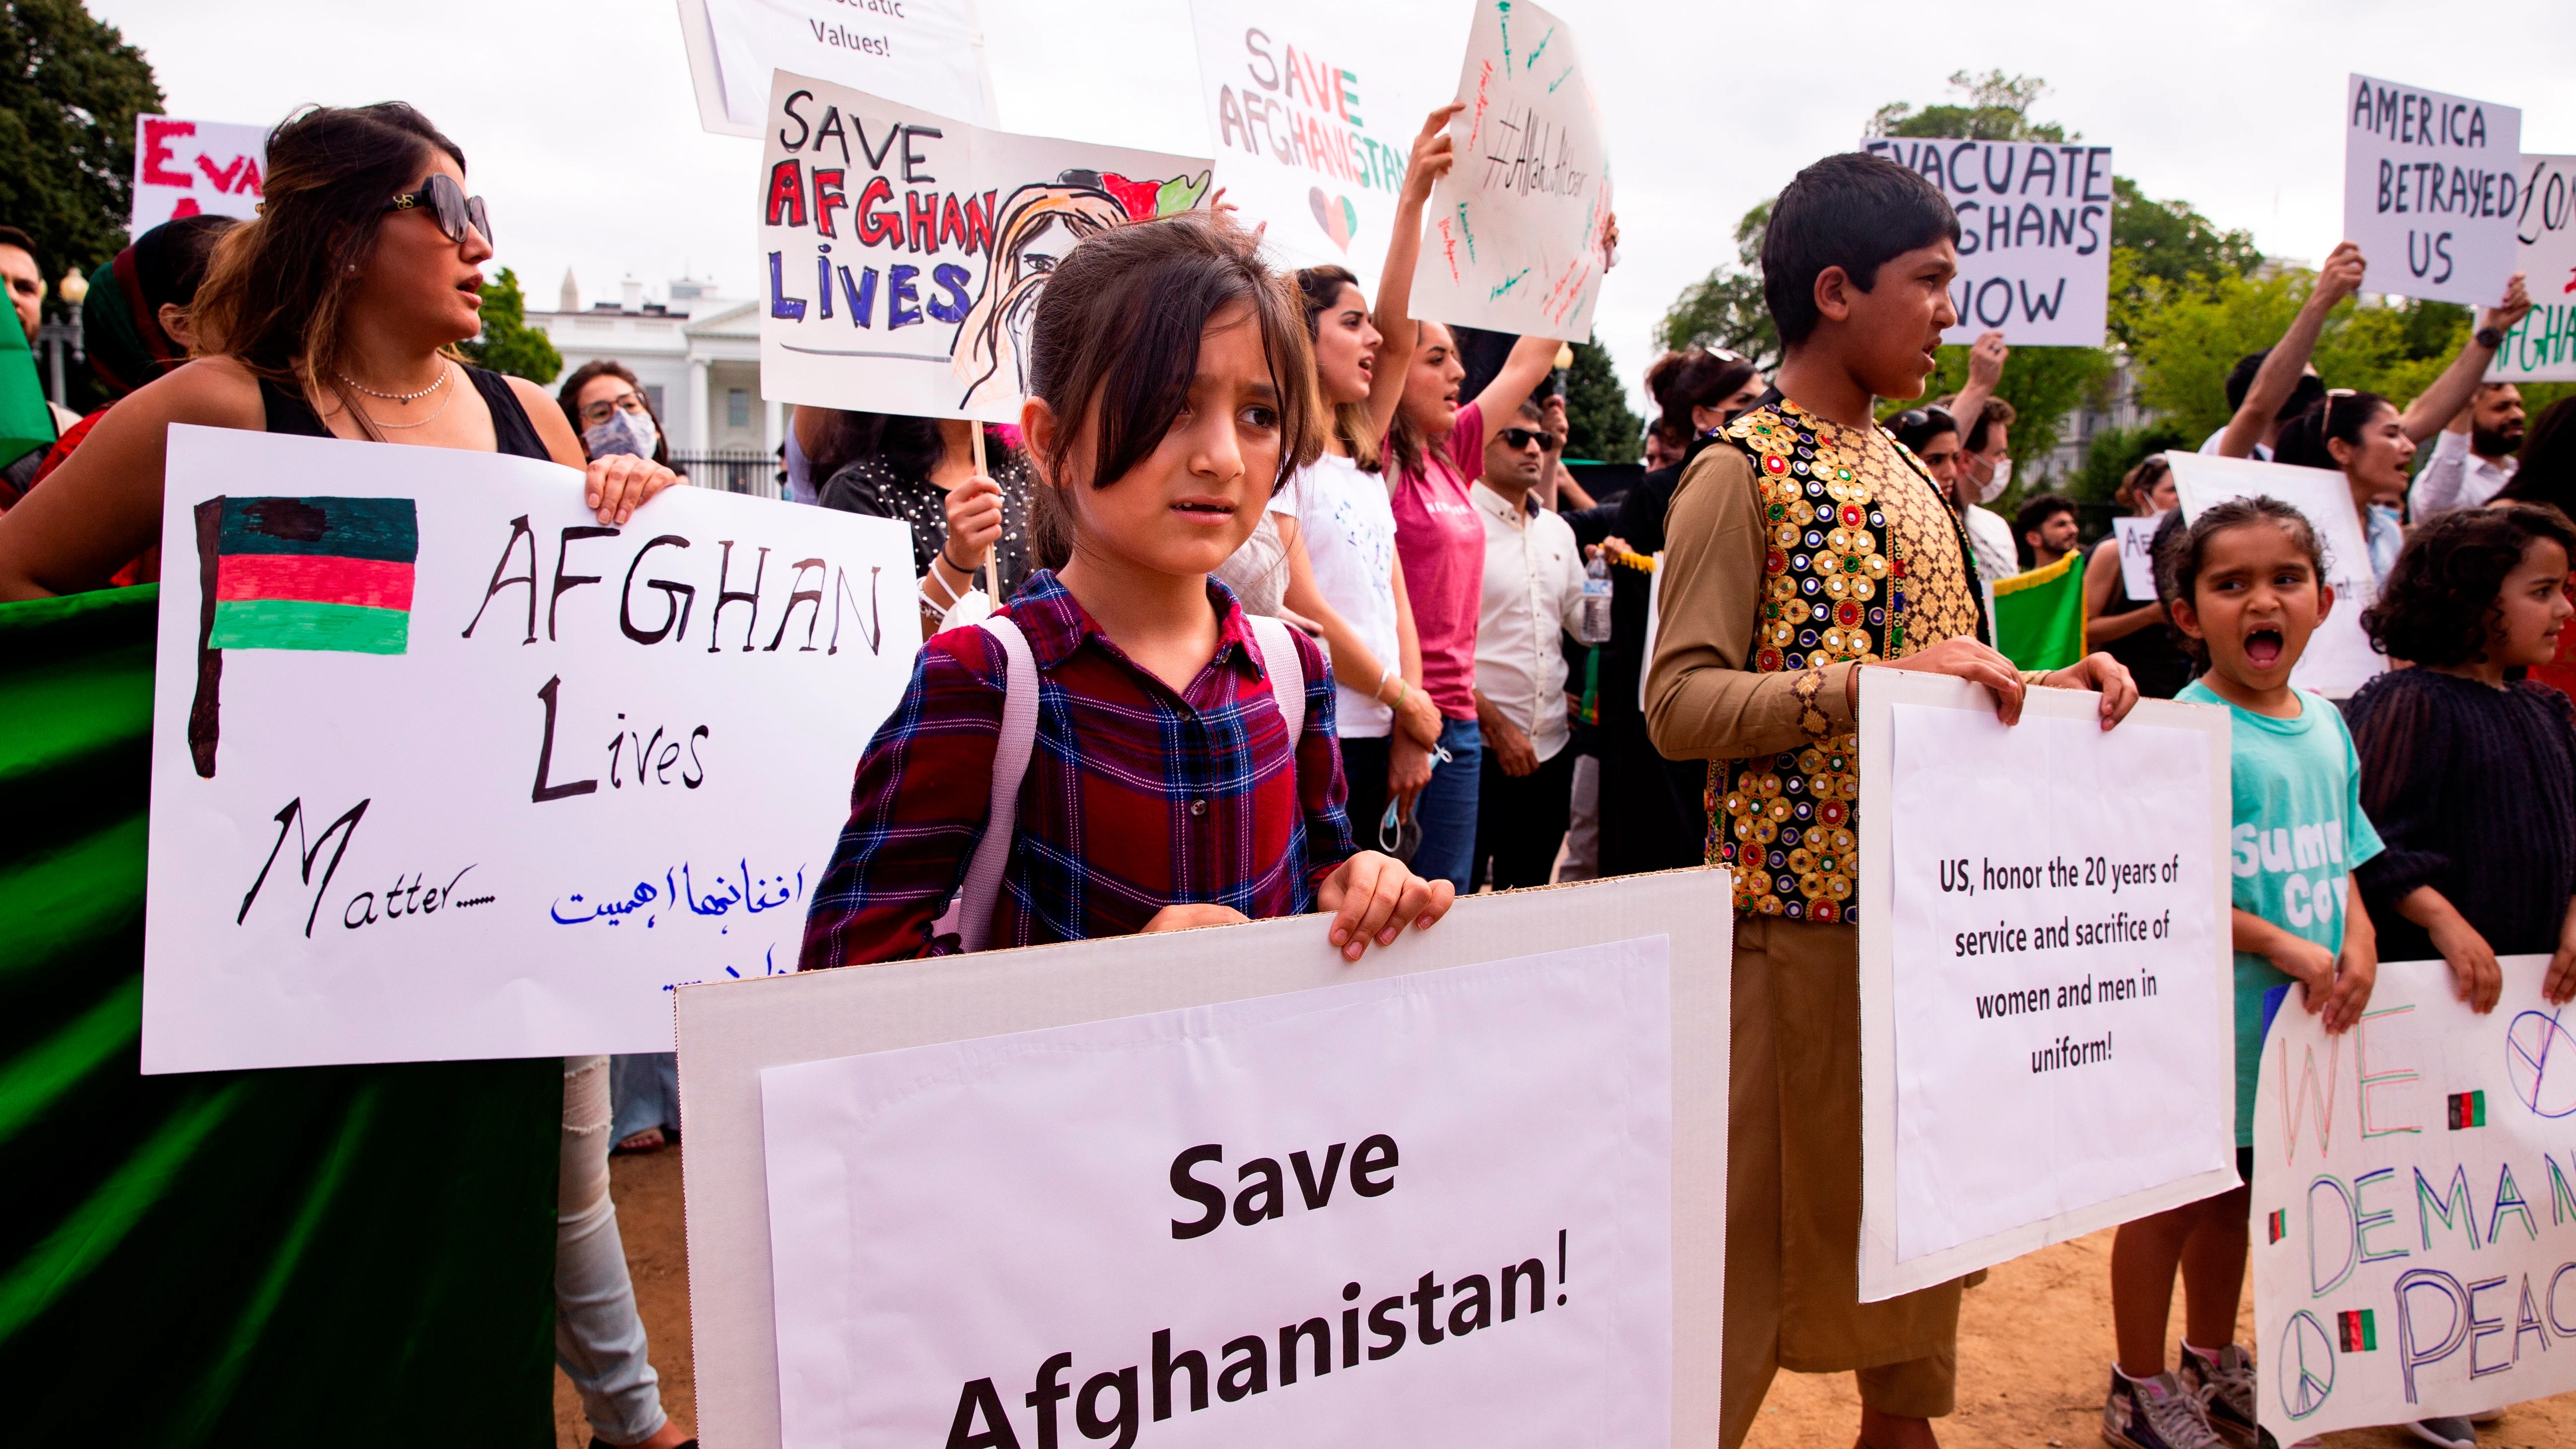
{"points": [[26, 424], [2039, 615]]}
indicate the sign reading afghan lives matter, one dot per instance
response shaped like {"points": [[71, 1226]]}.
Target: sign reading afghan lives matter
{"points": [[443, 767], [2034, 962], [1516, 235], [906, 251], [2034, 235], [2542, 346], [2431, 188], [927, 53], [1310, 137], [2414, 1205], [192, 168]]}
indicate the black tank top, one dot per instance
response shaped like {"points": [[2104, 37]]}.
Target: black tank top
{"points": [[512, 431]]}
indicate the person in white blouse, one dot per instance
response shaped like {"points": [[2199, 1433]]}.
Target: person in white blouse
{"points": [[1533, 595], [2474, 457]]}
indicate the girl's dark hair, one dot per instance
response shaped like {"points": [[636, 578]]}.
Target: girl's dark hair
{"points": [[2548, 470], [2337, 417], [1854, 211], [1318, 288], [2139, 483], [1928, 423], [909, 446], [1408, 447], [2180, 551], [2440, 597], [274, 295], [1694, 379], [568, 397], [1114, 347]]}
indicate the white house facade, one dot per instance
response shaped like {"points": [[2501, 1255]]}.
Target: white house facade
{"points": [[697, 356]]}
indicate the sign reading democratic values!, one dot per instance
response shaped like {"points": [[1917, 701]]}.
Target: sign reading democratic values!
{"points": [[443, 767], [191, 168], [1516, 238], [906, 251], [2034, 235], [2339, 659], [927, 53], [2542, 346], [2414, 1228], [1310, 137], [2431, 190], [2034, 962]]}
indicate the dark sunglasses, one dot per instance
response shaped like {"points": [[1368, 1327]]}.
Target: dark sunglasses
{"points": [[1912, 418], [1519, 438], [448, 203]]}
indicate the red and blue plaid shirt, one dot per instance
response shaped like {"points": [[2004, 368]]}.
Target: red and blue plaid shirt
{"points": [[1136, 798]]}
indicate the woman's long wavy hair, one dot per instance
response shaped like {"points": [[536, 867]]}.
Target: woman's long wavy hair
{"points": [[276, 295]]}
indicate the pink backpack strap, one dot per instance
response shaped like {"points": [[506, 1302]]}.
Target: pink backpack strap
{"points": [[970, 911]]}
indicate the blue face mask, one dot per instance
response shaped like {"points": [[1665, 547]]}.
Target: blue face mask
{"points": [[624, 432]]}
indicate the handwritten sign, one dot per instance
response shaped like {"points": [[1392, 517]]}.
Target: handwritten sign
{"points": [[2138, 554], [1517, 232], [2339, 659], [2031, 961], [1310, 137], [916, 52], [442, 767], [2431, 188], [189, 168], [906, 251], [2542, 346], [2414, 1248], [2034, 235]]}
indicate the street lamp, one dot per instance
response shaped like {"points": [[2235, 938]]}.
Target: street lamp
{"points": [[64, 331]]}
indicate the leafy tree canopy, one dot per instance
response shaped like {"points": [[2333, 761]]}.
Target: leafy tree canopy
{"points": [[1998, 109], [70, 88], [1598, 424], [508, 343]]}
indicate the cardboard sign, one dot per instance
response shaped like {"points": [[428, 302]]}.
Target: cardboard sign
{"points": [[1516, 233], [2032, 961], [927, 53], [2542, 346], [906, 251], [2034, 235], [920, 1193], [1310, 136], [2414, 1245], [2138, 554], [2339, 659], [189, 168], [2431, 188], [442, 767]]}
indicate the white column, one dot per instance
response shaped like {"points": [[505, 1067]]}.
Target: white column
{"points": [[701, 424], [774, 426]]}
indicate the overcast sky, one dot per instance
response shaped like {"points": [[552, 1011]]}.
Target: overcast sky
{"points": [[580, 125]]}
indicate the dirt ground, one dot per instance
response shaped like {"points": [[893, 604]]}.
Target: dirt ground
{"points": [[2034, 1348]]}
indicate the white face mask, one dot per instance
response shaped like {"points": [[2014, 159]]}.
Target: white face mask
{"points": [[624, 432], [1995, 486]]}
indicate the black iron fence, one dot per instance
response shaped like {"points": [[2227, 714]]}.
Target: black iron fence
{"points": [[734, 471]]}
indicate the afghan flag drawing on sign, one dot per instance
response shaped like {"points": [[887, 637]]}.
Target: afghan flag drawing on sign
{"points": [[297, 573], [2468, 1109], [2357, 1331], [2277, 1224]]}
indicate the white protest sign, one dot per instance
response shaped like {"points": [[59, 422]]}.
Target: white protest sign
{"points": [[2414, 1231], [1309, 133], [442, 767], [191, 168], [2542, 346], [1516, 235], [921, 1192], [2430, 190], [926, 53], [2033, 961], [906, 251], [2138, 554], [2034, 235], [2339, 659]]}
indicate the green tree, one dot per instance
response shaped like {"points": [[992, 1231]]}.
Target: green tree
{"points": [[2114, 451], [2173, 243], [508, 343], [70, 88], [1998, 109], [1598, 424], [1725, 308]]}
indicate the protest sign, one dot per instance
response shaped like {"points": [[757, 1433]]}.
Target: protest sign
{"points": [[2033, 960], [2431, 190], [2414, 1232], [1310, 135], [927, 53], [2034, 235], [878, 219], [442, 767], [2339, 659], [919, 1190], [1516, 238], [188, 168], [2138, 554], [2542, 346]]}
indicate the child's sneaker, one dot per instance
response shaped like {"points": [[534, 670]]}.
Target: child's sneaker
{"points": [[2226, 1385], [2156, 1413]]}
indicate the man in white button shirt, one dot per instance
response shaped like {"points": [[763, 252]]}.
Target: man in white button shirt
{"points": [[2474, 457], [1533, 593]]}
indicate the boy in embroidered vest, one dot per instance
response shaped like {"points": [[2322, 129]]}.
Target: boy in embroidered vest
{"points": [[1804, 541]]}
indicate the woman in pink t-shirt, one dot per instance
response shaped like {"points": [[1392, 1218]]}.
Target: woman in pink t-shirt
{"points": [[1434, 450]]}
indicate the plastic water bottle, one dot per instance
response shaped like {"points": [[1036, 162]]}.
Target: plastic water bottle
{"points": [[1596, 602]]}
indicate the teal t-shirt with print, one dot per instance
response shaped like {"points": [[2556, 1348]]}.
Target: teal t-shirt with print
{"points": [[2298, 835]]}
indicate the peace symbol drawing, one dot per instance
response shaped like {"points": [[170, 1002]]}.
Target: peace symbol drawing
{"points": [[2540, 1057], [2308, 1353]]}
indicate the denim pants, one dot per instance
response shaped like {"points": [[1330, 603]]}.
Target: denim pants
{"points": [[1447, 806], [599, 1339]]}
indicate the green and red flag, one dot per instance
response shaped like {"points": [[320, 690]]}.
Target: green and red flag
{"points": [[2468, 1109], [2356, 1331], [26, 424], [2277, 1224], [2039, 615]]}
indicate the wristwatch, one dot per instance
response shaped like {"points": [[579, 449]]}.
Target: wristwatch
{"points": [[2488, 337]]}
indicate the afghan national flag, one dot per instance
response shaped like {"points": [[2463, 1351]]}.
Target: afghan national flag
{"points": [[2467, 1109], [2357, 1332], [2277, 1224], [26, 424], [2039, 615]]}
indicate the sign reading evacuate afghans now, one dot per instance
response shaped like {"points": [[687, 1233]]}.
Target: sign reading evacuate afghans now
{"points": [[2034, 235], [2431, 190]]}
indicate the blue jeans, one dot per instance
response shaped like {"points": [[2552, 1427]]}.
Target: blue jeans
{"points": [[1447, 806]]}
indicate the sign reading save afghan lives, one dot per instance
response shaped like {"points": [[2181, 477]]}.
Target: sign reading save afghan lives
{"points": [[442, 767], [2431, 188], [2034, 235]]}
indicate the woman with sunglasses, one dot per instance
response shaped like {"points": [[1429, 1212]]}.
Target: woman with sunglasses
{"points": [[2118, 622], [334, 313], [607, 407]]}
